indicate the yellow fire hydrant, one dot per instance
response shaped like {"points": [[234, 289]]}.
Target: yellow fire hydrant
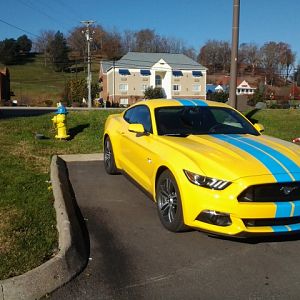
{"points": [[59, 121]]}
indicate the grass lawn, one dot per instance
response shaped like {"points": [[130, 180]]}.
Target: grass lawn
{"points": [[33, 81], [281, 123], [28, 235]]}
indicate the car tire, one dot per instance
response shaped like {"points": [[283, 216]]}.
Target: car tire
{"points": [[109, 159], [168, 203]]}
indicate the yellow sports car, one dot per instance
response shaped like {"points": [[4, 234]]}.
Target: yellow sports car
{"points": [[207, 167]]}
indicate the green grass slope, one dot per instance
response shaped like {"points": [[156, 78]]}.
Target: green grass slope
{"points": [[34, 83]]}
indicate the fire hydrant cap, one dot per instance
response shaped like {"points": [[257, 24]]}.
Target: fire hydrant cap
{"points": [[62, 110]]}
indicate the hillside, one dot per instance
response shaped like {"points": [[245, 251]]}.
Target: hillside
{"points": [[33, 83]]}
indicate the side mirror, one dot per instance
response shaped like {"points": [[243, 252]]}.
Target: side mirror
{"points": [[259, 127], [136, 128]]}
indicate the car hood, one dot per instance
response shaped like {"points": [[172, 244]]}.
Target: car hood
{"points": [[231, 157]]}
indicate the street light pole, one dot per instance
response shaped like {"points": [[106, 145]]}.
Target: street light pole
{"points": [[234, 53], [89, 76]]}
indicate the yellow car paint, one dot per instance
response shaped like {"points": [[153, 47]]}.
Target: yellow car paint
{"points": [[244, 160]]}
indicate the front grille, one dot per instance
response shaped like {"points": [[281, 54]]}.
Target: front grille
{"points": [[272, 192], [271, 222]]}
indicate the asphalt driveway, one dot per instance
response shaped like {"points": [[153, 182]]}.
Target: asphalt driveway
{"points": [[134, 257]]}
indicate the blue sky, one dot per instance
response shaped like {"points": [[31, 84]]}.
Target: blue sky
{"points": [[193, 21]]}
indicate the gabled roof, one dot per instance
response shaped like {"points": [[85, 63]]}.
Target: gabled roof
{"points": [[144, 60], [244, 84], [225, 80], [106, 65]]}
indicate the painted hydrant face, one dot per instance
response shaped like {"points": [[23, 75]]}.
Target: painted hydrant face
{"points": [[60, 123]]}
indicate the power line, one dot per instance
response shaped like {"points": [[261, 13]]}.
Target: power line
{"points": [[16, 27], [56, 11], [40, 11], [70, 9]]}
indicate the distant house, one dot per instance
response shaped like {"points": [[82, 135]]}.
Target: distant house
{"points": [[213, 88], [244, 88], [4, 84], [125, 81]]}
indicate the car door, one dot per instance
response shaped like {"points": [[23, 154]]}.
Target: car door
{"points": [[137, 149]]}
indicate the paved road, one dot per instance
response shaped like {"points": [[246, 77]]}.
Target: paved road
{"points": [[133, 257]]}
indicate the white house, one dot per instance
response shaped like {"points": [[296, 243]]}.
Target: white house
{"points": [[125, 81], [244, 88]]}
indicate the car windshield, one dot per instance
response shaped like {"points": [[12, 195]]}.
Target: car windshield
{"points": [[186, 120]]}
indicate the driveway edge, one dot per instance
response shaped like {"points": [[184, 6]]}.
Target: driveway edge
{"points": [[73, 245]]}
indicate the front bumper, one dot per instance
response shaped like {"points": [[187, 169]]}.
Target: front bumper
{"points": [[247, 218]]}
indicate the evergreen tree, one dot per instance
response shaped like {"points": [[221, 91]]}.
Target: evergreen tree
{"points": [[8, 51], [24, 44], [58, 52]]}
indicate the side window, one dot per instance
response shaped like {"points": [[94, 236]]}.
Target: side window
{"points": [[128, 114], [139, 114], [225, 117]]}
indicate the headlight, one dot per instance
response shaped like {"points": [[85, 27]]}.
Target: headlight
{"points": [[207, 182]]}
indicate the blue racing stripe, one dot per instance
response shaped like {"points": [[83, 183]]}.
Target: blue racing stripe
{"points": [[280, 228], [283, 209], [199, 102], [192, 102], [294, 227], [186, 102], [296, 209], [287, 162], [270, 163]]}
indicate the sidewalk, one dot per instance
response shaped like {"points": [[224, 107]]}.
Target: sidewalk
{"points": [[73, 254]]}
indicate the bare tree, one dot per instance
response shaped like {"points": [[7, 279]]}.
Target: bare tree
{"points": [[99, 35], [77, 40], [128, 40], [208, 55], [286, 59], [249, 54], [190, 52], [42, 43], [112, 46], [224, 55], [145, 40]]}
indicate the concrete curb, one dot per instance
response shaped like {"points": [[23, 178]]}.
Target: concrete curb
{"points": [[82, 157], [73, 250]]}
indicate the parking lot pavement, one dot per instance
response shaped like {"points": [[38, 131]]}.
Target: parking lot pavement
{"points": [[134, 257]]}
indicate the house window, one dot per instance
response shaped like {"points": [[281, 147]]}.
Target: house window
{"points": [[124, 72], [176, 87], [196, 87], [144, 87], [157, 80], [177, 73], [145, 72], [124, 101], [123, 87], [197, 73]]}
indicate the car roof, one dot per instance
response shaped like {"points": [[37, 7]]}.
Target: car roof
{"points": [[154, 103]]}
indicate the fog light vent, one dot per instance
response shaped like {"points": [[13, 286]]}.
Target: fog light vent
{"points": [[214, 217]]}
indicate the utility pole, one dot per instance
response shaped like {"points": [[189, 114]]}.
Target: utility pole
{"points": [[89, 76], [234, 53], [114, 83]]}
